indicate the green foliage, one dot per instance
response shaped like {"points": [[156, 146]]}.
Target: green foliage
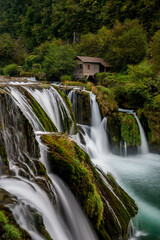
{"points": [[131, 95], [140, 74], [59, 60], [125, 49], [11, 50], [30, 61], [99, 77], [156, 102], [11, 70], [65, 78], [88, 45], [155, 51]]}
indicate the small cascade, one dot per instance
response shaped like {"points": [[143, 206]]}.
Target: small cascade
{"points": [[95, 113], [53, 104], [144, 145], [25, 107], [125, 148], [73, 216], [73, 99]]}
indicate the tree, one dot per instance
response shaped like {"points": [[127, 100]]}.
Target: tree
{"points": [[10, 50], [59, 60], [88, 45], [155, 51], [128, 45]]}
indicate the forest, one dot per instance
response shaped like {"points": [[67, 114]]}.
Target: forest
{"points": [[36, 39]]}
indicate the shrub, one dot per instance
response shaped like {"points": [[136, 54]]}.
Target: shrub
{"points": [[11, 70], [65, 78], [99, 77], [156, 102]]}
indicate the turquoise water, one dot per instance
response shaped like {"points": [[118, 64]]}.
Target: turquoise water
{"points": [[139, 175]]}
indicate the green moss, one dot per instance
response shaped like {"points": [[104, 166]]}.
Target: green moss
{"points": [[130, 130], [40, 113], [106, 99], [8, 227], [3, 155], [70, 163], [11, 232]]}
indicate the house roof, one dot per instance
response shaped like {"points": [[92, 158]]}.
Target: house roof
{"points": [[93, 60]]}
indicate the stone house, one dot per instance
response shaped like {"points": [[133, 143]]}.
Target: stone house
{"points": [[89, 66]]}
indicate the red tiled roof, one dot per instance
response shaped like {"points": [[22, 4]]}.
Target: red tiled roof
{"points": [[93, 60]]}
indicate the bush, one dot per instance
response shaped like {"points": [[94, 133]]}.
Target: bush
{"points": [[99, 77], [131, 95], [11, 70], [156, 102], [65, 78]]}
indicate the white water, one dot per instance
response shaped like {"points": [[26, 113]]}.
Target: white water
{"points": [[23, 104], [53, 104], [138, 174]]}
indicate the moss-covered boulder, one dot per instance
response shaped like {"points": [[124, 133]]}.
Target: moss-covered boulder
{"points": [[122, 128], [104, 201], [130, 130], [71, 164]]}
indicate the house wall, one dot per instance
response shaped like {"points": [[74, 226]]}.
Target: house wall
{"points": [[90, 68], [86, 69], [78, 72]]}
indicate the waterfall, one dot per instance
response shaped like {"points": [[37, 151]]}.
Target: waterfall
{"points": [[144, 145], [35, 194], [53, 104], [23, 104], [95, 113]]}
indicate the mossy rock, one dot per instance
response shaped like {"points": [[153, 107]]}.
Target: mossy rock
{"points": [[74, 166], [130, 130], [69, 162]]}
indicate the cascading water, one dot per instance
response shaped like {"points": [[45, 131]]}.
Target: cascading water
{"points": [[36, 195], [54, 106], [132, 172]]}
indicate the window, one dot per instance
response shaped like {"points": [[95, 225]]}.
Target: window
{"points": [[88, 66], [80, 66]]}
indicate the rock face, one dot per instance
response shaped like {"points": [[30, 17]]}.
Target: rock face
{"points": [[103, 200]]}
